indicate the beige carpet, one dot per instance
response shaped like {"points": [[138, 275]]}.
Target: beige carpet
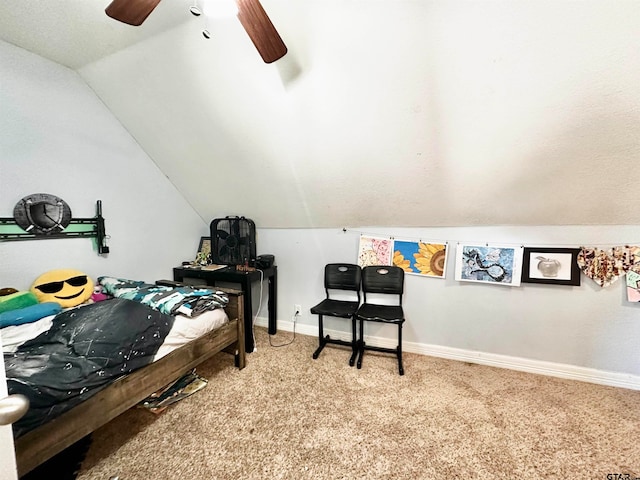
{"points": [[287, 416]]}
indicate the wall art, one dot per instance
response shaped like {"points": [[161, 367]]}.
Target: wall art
{"points": [[374, 251], [553, 266], [603, 266], [419, 258], [633, 286], [494, 264]]}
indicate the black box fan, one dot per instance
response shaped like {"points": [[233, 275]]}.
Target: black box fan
{"points": [[233, 241]]}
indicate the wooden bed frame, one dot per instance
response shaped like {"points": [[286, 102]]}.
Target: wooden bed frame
{"points": [[42, 443]]}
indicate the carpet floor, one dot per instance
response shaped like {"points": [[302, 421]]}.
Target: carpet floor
{"points": [[287, 416]]}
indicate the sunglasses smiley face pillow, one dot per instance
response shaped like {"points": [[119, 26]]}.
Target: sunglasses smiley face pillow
{"points": [[69, 288]]}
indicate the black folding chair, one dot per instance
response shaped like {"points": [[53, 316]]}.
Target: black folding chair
{"points": [[339, 279], [382, 287]]}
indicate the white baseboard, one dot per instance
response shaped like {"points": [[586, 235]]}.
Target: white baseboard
{"points": [[560, 370]]}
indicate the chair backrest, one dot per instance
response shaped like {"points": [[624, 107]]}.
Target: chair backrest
{"points": [[342, 276], [383, 279]]}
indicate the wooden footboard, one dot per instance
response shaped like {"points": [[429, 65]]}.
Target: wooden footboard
{"points": [[42, 443]]}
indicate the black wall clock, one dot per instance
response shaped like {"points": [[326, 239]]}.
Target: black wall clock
{"points": [[42, 214]]}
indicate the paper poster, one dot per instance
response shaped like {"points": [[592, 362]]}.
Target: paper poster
{"points": [[374, 251], [603, 266], [494, 264], [633, 286], [419, 258]]}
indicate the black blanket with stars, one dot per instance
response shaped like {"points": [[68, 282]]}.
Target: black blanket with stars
{"points": [[85, 349]]}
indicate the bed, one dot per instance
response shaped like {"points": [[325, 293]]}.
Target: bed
{"points": [[170, 362]]}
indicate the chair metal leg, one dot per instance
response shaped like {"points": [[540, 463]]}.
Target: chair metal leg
{"points": [[321, 340], [354, 343], [360, 346], [400, 367]]}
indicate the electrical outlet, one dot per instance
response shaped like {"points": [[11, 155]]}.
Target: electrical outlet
{"points": [[297, 309]]}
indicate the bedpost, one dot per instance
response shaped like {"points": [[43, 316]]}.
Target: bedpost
{"points": [[235, 310]]}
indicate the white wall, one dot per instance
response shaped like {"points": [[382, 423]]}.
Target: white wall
{"points": [[57, 137], [589, 327]]}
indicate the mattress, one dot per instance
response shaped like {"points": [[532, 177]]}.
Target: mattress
{"points": [[184, 330]]}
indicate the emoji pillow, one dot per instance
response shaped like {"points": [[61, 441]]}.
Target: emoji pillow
{"points": [[66, 287]]}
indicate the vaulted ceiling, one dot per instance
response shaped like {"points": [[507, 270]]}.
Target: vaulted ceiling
{"points": [[384, 112]]}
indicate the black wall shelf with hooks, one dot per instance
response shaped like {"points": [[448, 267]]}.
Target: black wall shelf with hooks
{"points": [[78, 227]]}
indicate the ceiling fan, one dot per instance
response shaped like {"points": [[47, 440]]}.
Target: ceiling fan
{"points": [[252, 16]]}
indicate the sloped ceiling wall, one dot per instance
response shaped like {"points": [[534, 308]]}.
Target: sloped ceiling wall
{"points": [[389, 112]]}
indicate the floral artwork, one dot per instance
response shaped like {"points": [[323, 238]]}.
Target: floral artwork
{"points": [[418, 258], [495, 264], [374, 251]]}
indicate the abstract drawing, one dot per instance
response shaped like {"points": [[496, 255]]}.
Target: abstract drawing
{"points": [[606, 266], [374, 251], [495, 264], [419, 258], [603, 266]]}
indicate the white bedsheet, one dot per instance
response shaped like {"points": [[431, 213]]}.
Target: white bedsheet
{"points": [[16, 335], [183, 331], [186, 329]]}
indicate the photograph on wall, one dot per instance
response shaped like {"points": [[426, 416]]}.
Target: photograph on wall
{"points": [[552, 266], [374, 251], [420, 258], [493, 264]]}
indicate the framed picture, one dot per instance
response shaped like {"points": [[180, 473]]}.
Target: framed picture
{"points": [[492, 264], [420, 258], [203, 257], [553, 266]]}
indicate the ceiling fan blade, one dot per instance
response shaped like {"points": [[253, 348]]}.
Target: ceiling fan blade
{"points": [[132, 12], [260, 30]]}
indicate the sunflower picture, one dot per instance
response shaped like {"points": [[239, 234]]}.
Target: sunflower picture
{"points": [[419, 258]]}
